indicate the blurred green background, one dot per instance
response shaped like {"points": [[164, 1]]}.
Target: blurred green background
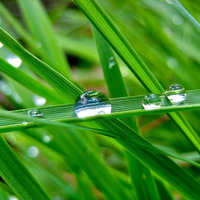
{"points": [[59, 33]]}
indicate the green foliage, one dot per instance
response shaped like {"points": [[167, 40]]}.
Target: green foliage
{"points": [[141, 47]]}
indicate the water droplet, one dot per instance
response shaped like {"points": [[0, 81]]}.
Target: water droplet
{"points": [[1, 45], [39, 101], [47, 138], [32, 152], [177, 19], [112, 62], [13, 198], [92, 103], [176, 93], [24, 122], [151, 102], [172, 63], [5, 88], [14, 60], [35, 113]]}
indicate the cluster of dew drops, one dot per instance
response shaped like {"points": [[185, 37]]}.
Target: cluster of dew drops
{"points": [[92, 103]]}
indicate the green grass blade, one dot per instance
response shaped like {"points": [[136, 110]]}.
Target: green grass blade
{"points": [[173, 181], [117, 135], [3, 195], [186, 14], [17, 176], [119, 43], [40, 26], [56, 80], [168, 169], [157, 162], [29, 82], [116, 88]]}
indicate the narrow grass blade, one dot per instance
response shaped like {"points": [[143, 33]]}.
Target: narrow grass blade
{"points": [[17, 176], [3, 195], [29, 82], [169, 168], [116, 88], [120, 44], [56, 80], [40, 26], [186, 14]]}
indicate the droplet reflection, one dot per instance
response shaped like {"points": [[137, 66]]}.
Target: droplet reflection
{"points": [[176, 93], [151, 102], [92, 103]]}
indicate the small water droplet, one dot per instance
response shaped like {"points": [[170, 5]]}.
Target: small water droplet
{"points": [[14, 60], [5, 88], [112, 62], [151, 102], [177, 19], [47, 138], [1, 45], [92, 103], [38, 100], [35, 113], [32, 152], [24, 122], [13, 198], [172, 63], [176, 93]]}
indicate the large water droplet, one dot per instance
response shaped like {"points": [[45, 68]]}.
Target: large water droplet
{"points": [[92, 103], [176, 93], [14, 60], [112, 62], [32, 152], [1, 45], [151, 102], [35, 113]]}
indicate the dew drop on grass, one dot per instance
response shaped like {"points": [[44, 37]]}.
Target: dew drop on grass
{"points": [[176, 93], [14, 60], [92, 103], [1, 45], [32, 152], [112, 62], [151, 102], [35, 113], [47, 138]]}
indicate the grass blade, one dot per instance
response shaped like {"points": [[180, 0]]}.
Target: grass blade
{"points": [[40, 26], [17, 176], [119, 43], [56, 80], [32, 84], [186, 14], [116, 88]]}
